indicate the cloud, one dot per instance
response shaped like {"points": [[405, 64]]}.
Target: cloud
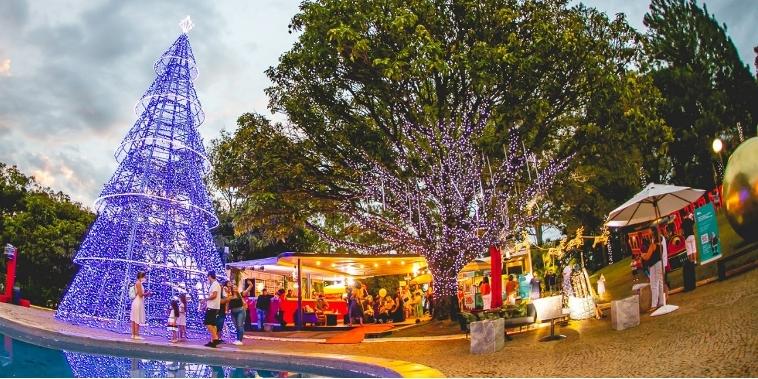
{"points": [[5, 67], [75, 68], [79, 66]]}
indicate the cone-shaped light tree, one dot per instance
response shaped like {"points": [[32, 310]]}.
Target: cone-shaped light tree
{"points": [[154, 214]]}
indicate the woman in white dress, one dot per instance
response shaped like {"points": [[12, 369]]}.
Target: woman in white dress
{"points": [[137, 316]]}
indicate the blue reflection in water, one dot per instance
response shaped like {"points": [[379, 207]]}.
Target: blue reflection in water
{"points": [[20, 359]]}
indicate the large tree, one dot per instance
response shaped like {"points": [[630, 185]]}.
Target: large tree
{"points": [[46, 227], [709, 92], [376, 87]]}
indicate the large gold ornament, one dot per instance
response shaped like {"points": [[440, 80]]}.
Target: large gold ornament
{"points": [[741, 189]]}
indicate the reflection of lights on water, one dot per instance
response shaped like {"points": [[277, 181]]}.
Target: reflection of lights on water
{"points": [[88, 366]]}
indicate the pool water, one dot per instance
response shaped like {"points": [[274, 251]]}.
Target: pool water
{"points": [[19, 359]]}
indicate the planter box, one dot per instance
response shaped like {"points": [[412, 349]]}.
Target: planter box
{"points": [[487, 336], [625, 313]]}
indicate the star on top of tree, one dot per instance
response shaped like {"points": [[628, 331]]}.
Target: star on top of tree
{"points": [[186, 24]]}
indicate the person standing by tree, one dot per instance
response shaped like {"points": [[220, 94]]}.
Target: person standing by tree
{"points": [[221, 317], [262, 305], [137, 315], [651, 256], [430, 300], [212, 306], [237, 307], [280, 294], [688, 227]]}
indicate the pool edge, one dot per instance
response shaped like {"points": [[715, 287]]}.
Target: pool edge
{"points": [[47, 337]]}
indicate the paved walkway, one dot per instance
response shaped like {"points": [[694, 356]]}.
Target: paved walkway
{"points": [[714, 333]]}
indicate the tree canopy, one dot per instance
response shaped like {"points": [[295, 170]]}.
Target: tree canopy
{"points": [[47, 228], [708, 91], [564, 78]]}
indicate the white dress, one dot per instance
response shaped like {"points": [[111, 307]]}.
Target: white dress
{"points": [[138, 309], [171, 320], [601, 286]]}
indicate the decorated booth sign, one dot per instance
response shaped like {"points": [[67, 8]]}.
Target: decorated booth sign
{"points": [[708, 241]]}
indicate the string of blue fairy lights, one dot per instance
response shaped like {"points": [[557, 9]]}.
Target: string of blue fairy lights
{"points": [[154, 214]]}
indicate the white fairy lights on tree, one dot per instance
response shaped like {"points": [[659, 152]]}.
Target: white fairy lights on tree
{"points": [[442, 199]]}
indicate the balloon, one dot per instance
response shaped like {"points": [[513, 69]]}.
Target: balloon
{"points": [[382, 292], [741, 189]]}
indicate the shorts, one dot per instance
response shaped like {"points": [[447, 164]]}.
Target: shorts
{"points": [[210, 317]]}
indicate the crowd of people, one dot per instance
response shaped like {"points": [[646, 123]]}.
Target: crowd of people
{"points": [[382, 307], [224, 299]]}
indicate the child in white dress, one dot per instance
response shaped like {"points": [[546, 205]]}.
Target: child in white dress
{"points": [[181, 321]]}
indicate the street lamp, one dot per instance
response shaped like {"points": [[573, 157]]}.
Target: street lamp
{"points": [[718, 146]]}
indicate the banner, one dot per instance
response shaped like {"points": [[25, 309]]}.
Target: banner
{"points": [[708, 241]]}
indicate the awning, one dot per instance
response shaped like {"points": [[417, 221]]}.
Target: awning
{"points": [[479, 264], [353, 265], [422, 279]]}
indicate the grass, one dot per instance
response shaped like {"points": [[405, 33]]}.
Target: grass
{"points": [[618, 276]]}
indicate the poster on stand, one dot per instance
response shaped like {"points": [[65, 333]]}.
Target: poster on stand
{"points": [[708, 241]]}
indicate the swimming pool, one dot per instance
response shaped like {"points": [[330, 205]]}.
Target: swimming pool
{"points": [[21, 359]]}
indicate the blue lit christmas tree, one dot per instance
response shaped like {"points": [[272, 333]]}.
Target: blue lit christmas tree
{"points": [[155, 213]]}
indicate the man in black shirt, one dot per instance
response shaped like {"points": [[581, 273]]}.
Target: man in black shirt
{"points": [[262, 305], [688, 227]]}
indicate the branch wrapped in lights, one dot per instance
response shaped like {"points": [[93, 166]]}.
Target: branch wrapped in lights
{"points": [[154, 214], [441, 198]]}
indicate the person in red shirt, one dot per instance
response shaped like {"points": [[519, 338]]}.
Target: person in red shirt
{"points": [[484, 288]]}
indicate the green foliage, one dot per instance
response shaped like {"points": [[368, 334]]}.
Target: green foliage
{"points": [[708, 91], [46, 227], [562, 76]]}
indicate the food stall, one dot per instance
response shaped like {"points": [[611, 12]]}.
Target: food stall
{"points": [[328, 274]]}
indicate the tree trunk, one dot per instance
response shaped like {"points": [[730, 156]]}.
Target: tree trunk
{"points": [[445, 287], [538, 233]]}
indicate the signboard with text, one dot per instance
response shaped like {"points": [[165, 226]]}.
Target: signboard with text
{"points": [[708, 241]]}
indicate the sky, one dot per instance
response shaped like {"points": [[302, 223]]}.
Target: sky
{"points": [[72, 70]]}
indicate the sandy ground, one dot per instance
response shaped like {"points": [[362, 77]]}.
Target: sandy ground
{"points": [[714, 333]]}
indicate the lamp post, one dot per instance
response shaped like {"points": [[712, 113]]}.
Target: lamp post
{"points": [[718, 146]]}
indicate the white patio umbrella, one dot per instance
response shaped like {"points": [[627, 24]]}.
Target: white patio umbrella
{"points": [[651, 203]]}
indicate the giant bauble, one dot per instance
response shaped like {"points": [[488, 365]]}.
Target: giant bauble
{"points": [[741, 189]]}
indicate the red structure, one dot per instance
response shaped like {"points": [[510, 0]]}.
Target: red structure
{"points": [[675, 240], [11, 253], [496, 259]]}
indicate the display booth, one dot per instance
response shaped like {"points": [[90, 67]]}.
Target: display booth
{"points": [[304, 276], [517, 262]]}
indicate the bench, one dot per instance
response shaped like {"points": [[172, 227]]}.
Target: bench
{"points": [[466, 318]]}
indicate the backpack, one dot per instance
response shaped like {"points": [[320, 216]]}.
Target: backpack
{"points": [[132, 292]]}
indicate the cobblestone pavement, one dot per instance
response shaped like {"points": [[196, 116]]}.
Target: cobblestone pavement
{"points": [[714, 333]]}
